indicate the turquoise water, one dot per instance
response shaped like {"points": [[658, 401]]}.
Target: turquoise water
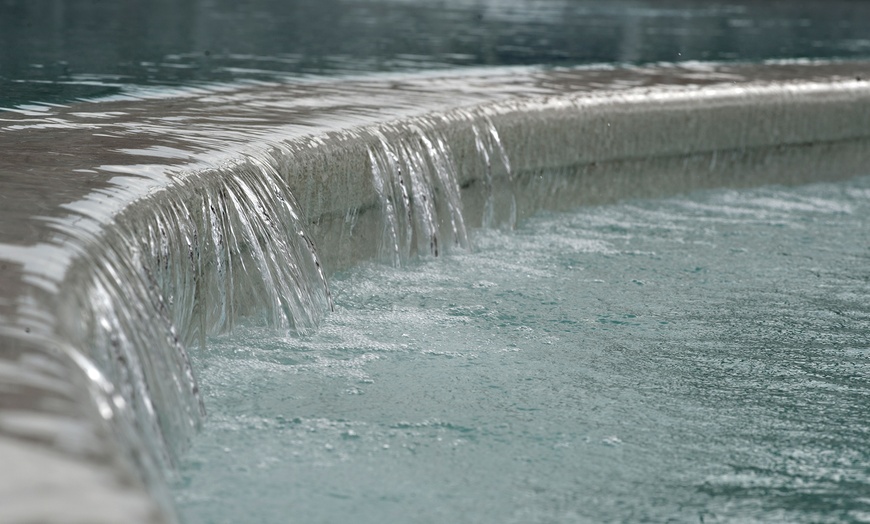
{"points": [[695, 359]]}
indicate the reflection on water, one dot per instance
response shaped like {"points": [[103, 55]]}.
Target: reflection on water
{"points": [[61, 50]]}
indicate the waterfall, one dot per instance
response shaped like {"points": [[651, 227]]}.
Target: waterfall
{"points": [[201, 257], [418, 190], [492, 151], [256, 234], [188, 261]]}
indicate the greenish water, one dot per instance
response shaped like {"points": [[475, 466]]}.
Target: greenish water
{"points": [[59, 51], [696, 359]]}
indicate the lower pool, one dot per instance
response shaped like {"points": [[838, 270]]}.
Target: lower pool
{"points": [[701, 359]]}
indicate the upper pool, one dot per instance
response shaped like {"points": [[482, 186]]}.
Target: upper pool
{"points": [[60, 51]]}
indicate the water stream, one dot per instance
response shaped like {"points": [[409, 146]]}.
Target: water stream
{"points": [[182, 240]]}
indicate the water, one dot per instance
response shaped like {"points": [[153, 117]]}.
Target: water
{"points": [[144, 224], [137, 224], [60, 51], [695, 359]]}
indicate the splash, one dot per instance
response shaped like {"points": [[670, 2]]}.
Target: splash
{"points": [[155, 262], [184, 264]]}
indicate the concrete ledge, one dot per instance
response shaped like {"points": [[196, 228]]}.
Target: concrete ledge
{"points": [[115, 253]]}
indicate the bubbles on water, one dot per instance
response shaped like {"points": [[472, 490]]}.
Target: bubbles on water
{"points": [[561, 392], [612, 441]]}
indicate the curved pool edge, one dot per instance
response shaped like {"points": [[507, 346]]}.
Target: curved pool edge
{"points": [[564, 147]]}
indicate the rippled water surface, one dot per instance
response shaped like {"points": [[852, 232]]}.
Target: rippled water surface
{"points": [[701, 359], [58, 51]]}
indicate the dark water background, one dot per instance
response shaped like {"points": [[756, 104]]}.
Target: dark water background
{"points": [[58, 50]]}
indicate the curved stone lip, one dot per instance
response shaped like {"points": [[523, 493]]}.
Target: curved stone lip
{"points": [[68, 172]]}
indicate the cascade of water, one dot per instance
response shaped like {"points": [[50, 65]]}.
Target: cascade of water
{"points": [[499, 187], [189, 264], [416, 179], [163, 268], [189, 260], [214, 246]]}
